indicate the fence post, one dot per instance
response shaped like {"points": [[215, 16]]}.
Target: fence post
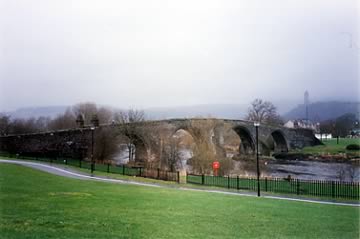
{"points": [[333, 189], [266, 184], [297, 187], [80, 163], [66, 161], [202, 179], [158, 173], [237, 182], [123, 171], [140, 172], [108, 168], [228, 181], [178, 176]]}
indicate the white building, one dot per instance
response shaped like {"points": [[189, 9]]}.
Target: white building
{"points": [[323, 136], [302, 124]]}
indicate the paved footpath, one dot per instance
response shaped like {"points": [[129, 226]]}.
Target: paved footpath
{"points": [[64, 171]]}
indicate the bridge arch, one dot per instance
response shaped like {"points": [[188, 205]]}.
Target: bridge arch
{"points": [[279, 141], [247, 145], [185, 143], [134, 148], [200, 132], [184, 130], [203, 135]]}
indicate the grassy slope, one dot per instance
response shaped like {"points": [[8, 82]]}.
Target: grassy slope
{"points": [[331, 146], [35, 204]]}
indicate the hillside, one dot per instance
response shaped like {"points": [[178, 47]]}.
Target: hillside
{"points": [[228, 111], [318, 112], [46, 111], [321, 111]]}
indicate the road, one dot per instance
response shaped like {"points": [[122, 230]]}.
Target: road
{"points": [[64, 171]]}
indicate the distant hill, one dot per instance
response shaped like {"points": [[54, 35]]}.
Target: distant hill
{"points": [[318, 112], [321, 111], [28, 112], [226, 111]]}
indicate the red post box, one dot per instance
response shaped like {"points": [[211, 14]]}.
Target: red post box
{"points": [[216, 166]]}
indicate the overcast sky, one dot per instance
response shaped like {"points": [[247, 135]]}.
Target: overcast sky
{"points": [[143, 53]]}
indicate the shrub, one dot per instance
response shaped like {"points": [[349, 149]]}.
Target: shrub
{"points": [[353, 147], [226, 165]]}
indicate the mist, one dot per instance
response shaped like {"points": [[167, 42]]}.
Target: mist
{"points": [[147, 54]]}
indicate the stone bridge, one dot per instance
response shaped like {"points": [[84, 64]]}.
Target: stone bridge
{"points": [[224, 137]]}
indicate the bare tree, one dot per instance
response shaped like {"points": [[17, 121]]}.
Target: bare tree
{"points": [[105, 115], [130, 126], [106, 144], [204, 152], [42, 123], [4, 124], [63, 121], [263, 112], [87, 109], [23, 126], [226, 166], [171, 155]]}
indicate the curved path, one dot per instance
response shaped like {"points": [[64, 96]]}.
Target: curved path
{"points": [[66, 172]]}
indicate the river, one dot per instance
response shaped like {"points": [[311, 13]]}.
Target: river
{"points": [[314, 170], [300, 169]]}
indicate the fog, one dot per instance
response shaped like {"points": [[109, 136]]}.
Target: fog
{"points": [[175, 53]]}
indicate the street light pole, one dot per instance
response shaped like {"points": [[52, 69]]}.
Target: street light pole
{"points": [[257, 124], [95, 123], [92, 149]]}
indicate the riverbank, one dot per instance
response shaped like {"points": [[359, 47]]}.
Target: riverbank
{"points": [[335, 148], [331, 150], [320, 157]]}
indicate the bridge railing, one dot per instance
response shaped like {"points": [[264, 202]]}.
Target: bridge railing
{"points": [[317, 188]]}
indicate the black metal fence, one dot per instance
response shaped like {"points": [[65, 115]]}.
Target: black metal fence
{"points": [[331, 189], [108, 168]]}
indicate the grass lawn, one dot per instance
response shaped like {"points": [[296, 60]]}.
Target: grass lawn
{"points": [[35, 204], [331, 146]]}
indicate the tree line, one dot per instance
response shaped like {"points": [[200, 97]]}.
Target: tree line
{"points": [[66, 120]]}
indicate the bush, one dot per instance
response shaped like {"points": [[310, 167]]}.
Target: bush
{"points": [[226, 165], [353, 147]]}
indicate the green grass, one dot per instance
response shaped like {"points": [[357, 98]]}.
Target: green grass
{"points": [[345, 193], [330, 146], [115, 172], [327, 190], [35, 204]]}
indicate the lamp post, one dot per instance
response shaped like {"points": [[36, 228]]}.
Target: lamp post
{"points": [[95, 123], [257, 124], [336, 131], [319, 130]]}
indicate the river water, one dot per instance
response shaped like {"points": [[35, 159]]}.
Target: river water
{"points": [[300, 169], [314, 170]]}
